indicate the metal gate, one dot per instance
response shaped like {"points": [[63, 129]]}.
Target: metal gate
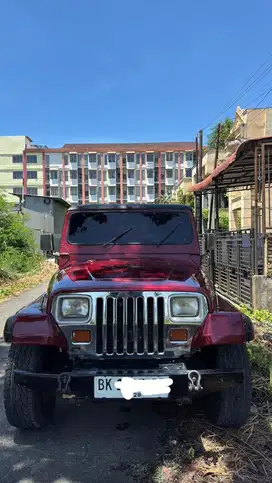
{"points": [[234, 264]]}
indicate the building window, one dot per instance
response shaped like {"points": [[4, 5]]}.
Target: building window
{"points": [[75, 158], [17, 174], [31, 159], [31, 174], [188, 172], [92, 174], [111, 174], [54, 191], [149, 173], [73, 174], [150, 190], [99, 176], [73, 191], [66, 160], [111, 191], [169, 156], [131, 190], [92, 158], [150, 157], [92, 191], [112, 158], [53, 175], [130, 157], [130, 174], [169, 173], [189, 157], [138, 157], [17, 191], [17, 159], [32, 191]]}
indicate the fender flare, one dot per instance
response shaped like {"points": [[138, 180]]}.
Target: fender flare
{"points": [[8, 329], [249, 328]]}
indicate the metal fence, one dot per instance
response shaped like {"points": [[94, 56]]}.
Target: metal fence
{"points": [[234, 263]]}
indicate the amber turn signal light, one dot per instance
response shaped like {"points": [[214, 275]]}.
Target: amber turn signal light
{"points": [[178, 335], [81, 336]]}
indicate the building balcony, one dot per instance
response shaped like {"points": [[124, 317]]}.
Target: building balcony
{"points": [[170, 164], [131, 198], [92, 165], [73, 182], [131, 165], [169, 181], [92, 182], [92, 198], [73, 199], [110, 199], [72, 165], [149, 181], [54, 182], [111, 181], [188, 164], [131, 181], [150, 198], [110, 165]]}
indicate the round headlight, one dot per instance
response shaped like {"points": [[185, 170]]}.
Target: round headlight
{"points": [[74, 308], [184, 306]]}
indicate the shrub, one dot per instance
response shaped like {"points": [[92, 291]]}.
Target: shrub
{"points": [[17, 246]]}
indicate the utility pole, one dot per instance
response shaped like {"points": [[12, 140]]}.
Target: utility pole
{"points": [[200, 179], [212, 215], [197, 196]]}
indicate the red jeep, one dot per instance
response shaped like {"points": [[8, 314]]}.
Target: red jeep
{"points": [[129, 314]]}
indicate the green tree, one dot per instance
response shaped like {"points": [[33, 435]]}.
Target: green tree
{"points": [[17, 246], [225, 130]]}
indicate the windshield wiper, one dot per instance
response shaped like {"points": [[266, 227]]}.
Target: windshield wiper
{"points": [[113, 240], [169, 234]]}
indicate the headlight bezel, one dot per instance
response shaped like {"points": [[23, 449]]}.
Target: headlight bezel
{"points": [[76, 319], [189, 319]]}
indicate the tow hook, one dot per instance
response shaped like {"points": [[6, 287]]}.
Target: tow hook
{"points": [[194, 381], [64, 380]]}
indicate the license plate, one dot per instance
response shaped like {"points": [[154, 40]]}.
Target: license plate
{"points": [[104, 387]]}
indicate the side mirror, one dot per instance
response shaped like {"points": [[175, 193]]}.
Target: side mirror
{"points": [[47, 242]]}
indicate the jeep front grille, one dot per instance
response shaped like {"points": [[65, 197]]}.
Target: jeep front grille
{"points": [[129, 325]]}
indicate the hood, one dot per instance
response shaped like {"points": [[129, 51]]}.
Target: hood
{"points": [[178, 268]]}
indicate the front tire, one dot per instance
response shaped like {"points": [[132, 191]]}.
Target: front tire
{"points": [[26, 408], [230, 408]]}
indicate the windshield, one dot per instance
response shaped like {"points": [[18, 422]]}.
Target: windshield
{"points": [[101, 228]]}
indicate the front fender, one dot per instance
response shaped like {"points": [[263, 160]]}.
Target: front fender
{"points": [[220, 328], [32, 325]]}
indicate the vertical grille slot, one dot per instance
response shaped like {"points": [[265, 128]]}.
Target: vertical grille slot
{"points": [[160, 312], [99, 326], [140, 325], [109, 318], [130, 318], [120, 323], [150, 325], [130, 325]]}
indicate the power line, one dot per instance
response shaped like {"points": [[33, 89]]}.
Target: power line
{"points": [[244, 89]]}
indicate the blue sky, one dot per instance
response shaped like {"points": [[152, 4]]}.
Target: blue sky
{"points": [[124, 70]]}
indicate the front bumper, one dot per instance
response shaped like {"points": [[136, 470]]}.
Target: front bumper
{"points": [[81, 382]]}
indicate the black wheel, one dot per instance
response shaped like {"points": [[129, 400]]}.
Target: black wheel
{"points": [[26, 408], [230, 408]]}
